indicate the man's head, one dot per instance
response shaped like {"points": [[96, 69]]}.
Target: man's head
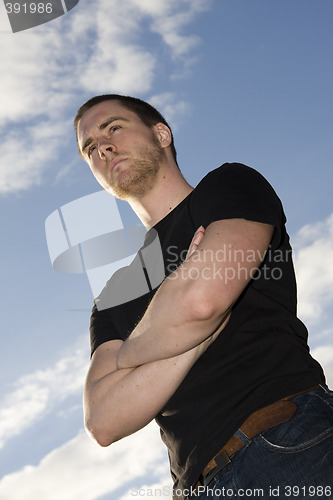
{"points": [[126, 142], [147, 113]]}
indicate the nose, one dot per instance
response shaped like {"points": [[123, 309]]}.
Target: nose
{"points": [[105, 149]]}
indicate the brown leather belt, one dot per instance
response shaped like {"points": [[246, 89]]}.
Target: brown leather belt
{"points": [[259, 421]]}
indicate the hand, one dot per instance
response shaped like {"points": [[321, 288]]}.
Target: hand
{"points": [[198, 235]]}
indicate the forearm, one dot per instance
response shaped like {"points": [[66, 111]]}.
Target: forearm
{"points": [[169, 328], [123, 401]]}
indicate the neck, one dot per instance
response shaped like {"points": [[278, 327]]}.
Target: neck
{"points": [[170, 190]]}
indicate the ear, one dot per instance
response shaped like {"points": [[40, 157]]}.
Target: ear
{"points": [[163, 134]]}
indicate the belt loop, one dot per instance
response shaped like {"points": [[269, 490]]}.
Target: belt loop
{"points": [[221, 461], [242, 436]]}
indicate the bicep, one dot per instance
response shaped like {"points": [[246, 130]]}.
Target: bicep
{"points": [[226, 260]]}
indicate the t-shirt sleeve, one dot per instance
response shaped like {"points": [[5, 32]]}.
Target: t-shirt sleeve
{"points": [[102, 328], [116, 323], [235, 191]]}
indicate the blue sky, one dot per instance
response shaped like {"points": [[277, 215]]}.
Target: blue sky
{"points": [[239, 80]]}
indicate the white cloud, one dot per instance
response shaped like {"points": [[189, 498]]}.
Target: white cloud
{"points": [[181, 10], [4, 21], [170, 106], [169, 30], [81, 470], [36, 394], [27, 153], [107, 73], [170, 18], [22, 78], [313, 246], [114, 62]]}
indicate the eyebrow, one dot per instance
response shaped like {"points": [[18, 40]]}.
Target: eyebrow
{"points": [[102, 127]]}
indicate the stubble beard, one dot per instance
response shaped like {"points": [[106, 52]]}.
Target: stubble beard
{"points": [[138, 178]]}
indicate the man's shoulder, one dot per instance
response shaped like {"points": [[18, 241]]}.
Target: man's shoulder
{"points": [[231, 172], [235, 190]]}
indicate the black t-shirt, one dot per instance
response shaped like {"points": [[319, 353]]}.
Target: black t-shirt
{"points": [[261, 355]]}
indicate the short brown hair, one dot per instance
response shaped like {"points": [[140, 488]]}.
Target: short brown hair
{"points": [[146, 112]]}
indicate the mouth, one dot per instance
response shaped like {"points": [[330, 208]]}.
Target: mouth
{"points": [[116, 162]]}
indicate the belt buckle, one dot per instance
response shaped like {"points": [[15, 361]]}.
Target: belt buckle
{"points": [[221, 461]]}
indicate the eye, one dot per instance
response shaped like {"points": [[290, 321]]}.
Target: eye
{"points": [[114, 128], [90, 150]]}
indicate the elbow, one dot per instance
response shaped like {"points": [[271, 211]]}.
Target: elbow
{"points": [[100, 422], [102, 436], [97, 435], [104, 443], [204, 309], [205, 306]]}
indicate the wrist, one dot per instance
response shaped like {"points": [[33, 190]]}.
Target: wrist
{"points": [[118, 367], [120, 357], [123, 358]]}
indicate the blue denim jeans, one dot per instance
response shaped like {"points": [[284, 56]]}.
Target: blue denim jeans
{"points": [[291, 460]]}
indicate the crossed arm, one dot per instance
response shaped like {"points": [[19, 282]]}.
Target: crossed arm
{"points": [[129, 382]]}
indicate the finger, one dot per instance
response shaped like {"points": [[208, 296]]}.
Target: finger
{"points": [[198, 235]]}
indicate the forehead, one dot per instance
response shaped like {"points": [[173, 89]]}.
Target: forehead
{"points": [[98, 114]]}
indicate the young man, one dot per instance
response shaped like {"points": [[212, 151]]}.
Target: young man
{"points": [[216, 353]]}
